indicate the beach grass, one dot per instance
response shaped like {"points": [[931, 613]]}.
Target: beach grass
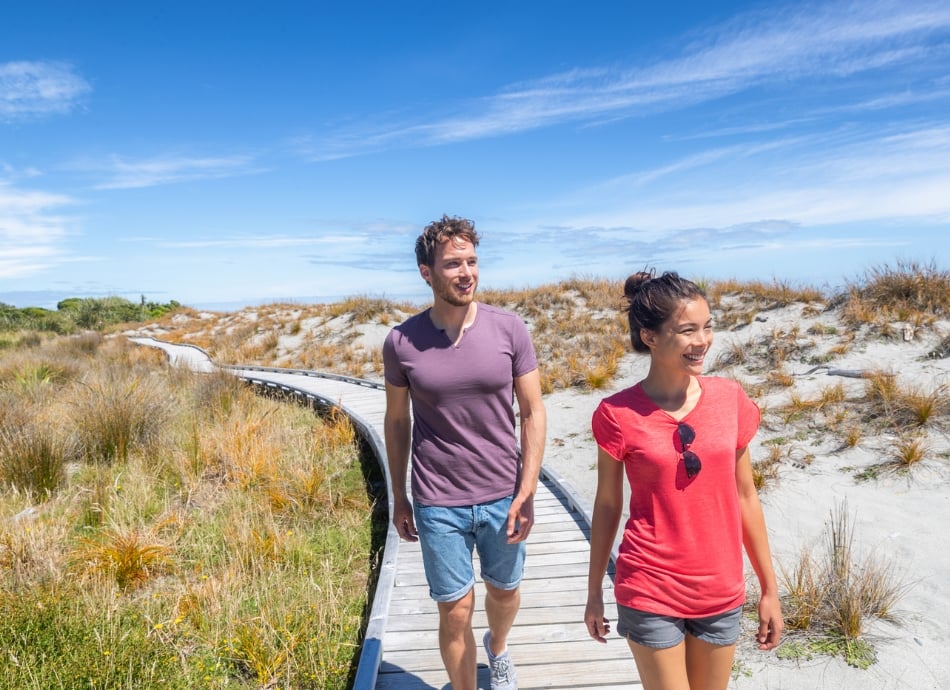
{"points": [[168, 529], [184, 532]]}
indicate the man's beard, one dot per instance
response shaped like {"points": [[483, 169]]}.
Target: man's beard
{"points": [[445, 291]]}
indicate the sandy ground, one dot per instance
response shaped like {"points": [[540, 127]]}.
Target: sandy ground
{"points": [[903, 518]]}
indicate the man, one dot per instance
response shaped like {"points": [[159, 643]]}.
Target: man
{"points": [[461, 364]]}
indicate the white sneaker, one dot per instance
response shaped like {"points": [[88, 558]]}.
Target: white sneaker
{"points": [[503, 676]]}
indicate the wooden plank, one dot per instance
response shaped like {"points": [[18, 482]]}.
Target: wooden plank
{"points": [[533, 612], [587, 674]]}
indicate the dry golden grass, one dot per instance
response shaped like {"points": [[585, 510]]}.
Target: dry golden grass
{"points": [[911, 292], [578, 326], [184, 541], [129, 556], [906, 452], [831, 597], [901, 406], [765, 472]]}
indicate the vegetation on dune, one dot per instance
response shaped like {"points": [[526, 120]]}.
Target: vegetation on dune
{"points": [[182, 531], [76, 314], [833, 592]]}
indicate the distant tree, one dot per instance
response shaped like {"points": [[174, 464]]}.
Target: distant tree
{"points": [[89, 313]]}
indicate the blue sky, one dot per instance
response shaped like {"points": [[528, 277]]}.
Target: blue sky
{"points": [[224, 154]]}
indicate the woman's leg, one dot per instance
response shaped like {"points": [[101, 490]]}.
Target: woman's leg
{"points": [[661, 669], [709, 666], [691, 665]]}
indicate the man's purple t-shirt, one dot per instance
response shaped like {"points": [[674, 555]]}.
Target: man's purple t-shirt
{"points": [[464, 448]]}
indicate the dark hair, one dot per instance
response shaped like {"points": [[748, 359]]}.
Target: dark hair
{"points": [[436, 232], [651, 301]]}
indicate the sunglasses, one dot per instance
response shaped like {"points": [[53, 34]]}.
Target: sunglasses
{"points": [[687, 435]]}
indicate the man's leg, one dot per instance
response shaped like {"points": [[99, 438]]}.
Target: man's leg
{"points": [[457, 642], [502, 568], [501, 607]]}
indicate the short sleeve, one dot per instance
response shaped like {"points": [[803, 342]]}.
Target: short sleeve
{"points": [[524, 360], [607, 431], [393, 371], [749, 416]]}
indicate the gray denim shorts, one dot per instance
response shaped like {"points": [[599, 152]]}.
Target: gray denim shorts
{"points": [[660, 632]]}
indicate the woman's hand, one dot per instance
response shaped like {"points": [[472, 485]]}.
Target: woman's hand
{"points": [[597, 626], [771, 623]]}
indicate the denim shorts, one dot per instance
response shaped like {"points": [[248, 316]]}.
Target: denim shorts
{"points": [[660, 632], [449, 535]]}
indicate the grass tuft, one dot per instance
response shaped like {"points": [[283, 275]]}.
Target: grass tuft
{"points": [[831, 598]]}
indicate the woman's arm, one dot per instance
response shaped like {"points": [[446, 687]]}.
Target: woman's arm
{"points": [[608, 508], [756, 542]]}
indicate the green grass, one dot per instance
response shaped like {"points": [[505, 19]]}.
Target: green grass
{"points": [[196, 536]]}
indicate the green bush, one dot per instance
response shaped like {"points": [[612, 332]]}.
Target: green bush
{"points": [[79, 313]]}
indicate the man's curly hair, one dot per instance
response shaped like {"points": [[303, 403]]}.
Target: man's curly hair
{"points": [[436, 232]]}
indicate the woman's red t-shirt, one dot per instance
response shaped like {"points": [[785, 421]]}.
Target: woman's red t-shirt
{"points": [[681, 553]]}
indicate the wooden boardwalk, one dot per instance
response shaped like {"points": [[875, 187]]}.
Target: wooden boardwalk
{"points": [[549, 643]]}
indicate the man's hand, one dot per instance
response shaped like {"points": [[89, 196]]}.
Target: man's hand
{"points": [[520, 519], [404, 522]]}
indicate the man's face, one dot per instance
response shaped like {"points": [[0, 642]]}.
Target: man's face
{"points": [[454, 273]]}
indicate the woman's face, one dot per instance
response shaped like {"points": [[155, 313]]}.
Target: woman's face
{"points": [[684, 339]]}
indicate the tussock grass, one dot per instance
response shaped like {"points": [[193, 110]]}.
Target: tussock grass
{"points": [[128, 556], [115, 412], [906, 452], [887, 406], [33, 458], [899, 406], [911, 292], [831, 597], [766, 471], [579, 329], [182, 533]]}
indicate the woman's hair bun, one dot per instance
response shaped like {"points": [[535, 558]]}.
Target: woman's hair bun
{"points": [[636, 281]]}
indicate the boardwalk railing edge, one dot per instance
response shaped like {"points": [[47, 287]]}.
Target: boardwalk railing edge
{"points": [[371, 653]]}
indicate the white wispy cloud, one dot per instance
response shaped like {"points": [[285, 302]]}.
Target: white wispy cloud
{"points": [[32, 234], [261, 242], [840, 176], [121, 173], [33, 89], [786, 45]]}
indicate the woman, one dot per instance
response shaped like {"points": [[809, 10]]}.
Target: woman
{"points": [[682, 439]]}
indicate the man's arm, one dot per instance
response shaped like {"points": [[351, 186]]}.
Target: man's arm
{"points": [[533, 432], [397, 426]]}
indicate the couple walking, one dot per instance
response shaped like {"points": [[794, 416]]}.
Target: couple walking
{"points": [[453, 372]]}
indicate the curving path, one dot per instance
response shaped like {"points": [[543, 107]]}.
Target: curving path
{"points": [[548, 643]]}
